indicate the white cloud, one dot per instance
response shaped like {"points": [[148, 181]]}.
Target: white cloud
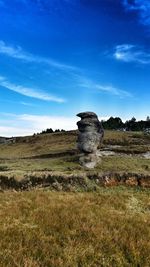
{"points": [[140, 6], [87, 83], [18, 103], [27, 104], [30, 92], [18, 53], [131, 53], [27, 124], [8, 131], [55, 122]]}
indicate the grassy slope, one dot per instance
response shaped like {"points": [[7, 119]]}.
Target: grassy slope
{"points": [[39, 145], [44, 229], [60, 142], [53, 154]]}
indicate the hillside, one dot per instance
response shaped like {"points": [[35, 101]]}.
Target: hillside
{"points": [[55, 154], [75, 217]]}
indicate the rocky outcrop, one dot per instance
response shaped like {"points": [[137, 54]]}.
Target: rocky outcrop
{"points": [[89, 138]]}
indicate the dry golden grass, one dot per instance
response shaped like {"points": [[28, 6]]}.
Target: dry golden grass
{"points": [[125, 138], [61, 142], [19, 169], [39, 145], [42, 228], [125, 164], [49, 229], [51, 152]]}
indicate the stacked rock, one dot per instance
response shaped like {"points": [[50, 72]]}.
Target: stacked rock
{"points": [[89, 138]]}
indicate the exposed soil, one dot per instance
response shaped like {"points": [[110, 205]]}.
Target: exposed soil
{"points": [[60, 182]]}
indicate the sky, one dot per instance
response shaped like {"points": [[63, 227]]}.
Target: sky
{"points": [[61, 57]]}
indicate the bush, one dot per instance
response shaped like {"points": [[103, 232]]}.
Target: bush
{"points": [[3, 168]]}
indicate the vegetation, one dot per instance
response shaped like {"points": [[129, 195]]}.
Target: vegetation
{"points": [[56, 152], [115, 124], [50, 130], [73, 217], [108, 228], [130, 125]]}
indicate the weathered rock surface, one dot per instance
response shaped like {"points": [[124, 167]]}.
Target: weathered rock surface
{"points": [[89, 138]]}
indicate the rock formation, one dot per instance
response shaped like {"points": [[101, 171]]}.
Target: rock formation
{"points": [[89, 138]]}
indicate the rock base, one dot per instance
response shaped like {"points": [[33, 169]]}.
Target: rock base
{"points": [[89, 160]]}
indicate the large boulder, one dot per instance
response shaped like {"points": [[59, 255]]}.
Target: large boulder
{"points": [[89, 138]]}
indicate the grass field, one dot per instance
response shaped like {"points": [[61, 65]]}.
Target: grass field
{"points": [[73, 218], [57, 153], [44, 229]]}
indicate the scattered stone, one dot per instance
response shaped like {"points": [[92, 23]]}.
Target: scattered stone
{"points": [[146, 155], [106, 153], [89, 138]]}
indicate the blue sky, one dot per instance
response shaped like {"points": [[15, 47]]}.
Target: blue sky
{"points": [[60, 57]]}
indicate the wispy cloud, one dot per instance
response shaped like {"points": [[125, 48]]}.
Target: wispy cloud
{"points": [[18, 53], [30, 92], [27, 104], [140, 6], [131, 53], [18, 103], [87, 83], [27, 124]]}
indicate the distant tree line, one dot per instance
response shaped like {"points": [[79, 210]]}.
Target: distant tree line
{"points": [[130, 125], [115, 124], [50, 130]]}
